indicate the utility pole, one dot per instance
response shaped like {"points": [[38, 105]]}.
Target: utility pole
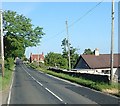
{"points": [[68, 45], [2, 46], [112, 44]]}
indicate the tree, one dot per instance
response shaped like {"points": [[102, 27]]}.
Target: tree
{"points": [[55, 60], [88, 51], [20, 34], [73, 55]]}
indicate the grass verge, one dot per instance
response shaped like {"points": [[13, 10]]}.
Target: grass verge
{"points": [[6, 80], [104, 87], [0, 82]]}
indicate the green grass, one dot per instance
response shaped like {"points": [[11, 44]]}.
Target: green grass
{"points": [[88, 83], [6, 80], [0, 82]]}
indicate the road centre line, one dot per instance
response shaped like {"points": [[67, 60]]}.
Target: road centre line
{"points": [[39, 83], [33, 78], [54, 94], [43, 86], [77, 85]]}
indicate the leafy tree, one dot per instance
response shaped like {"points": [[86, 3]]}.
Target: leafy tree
{"points": [[73, 55], [20, 34], [88, 51], [55, 59]]}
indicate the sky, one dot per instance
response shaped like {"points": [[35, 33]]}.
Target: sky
{"points": [[89, 27]]}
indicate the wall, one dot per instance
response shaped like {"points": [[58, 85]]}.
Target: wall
{"points": [[93, 77]]}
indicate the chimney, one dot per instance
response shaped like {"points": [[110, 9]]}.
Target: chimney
{"points": [[96, 52], [42, 53]]}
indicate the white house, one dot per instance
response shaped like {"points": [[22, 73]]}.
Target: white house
{"points": [[97, 64]]}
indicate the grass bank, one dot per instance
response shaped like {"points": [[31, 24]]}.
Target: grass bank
{"points": [[0, 82], [6, 80], [104, 87]]}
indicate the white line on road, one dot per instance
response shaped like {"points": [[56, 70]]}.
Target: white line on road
{"points": [[43, 86], [54, 94], [81, 86], [9, 95], [39, 83], [64, 80], [33, 78]]}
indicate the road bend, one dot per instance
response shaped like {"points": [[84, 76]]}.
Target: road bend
{"points": [[33, 87]]}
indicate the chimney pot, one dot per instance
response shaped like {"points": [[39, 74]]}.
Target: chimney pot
{"points": [[96, 52]]}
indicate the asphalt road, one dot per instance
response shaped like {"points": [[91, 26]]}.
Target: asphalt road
{"points": [[33, 87]]}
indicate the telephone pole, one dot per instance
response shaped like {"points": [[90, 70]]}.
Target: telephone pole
{"points": [[2, 46], [112, 44], [68, 45]]}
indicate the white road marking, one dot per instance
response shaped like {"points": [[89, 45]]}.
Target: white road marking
{"points": [[33, 78], [43, 86], [64, 80], [80, 85], [39, 83], [54, 94], [41, 72], [9, 94]]}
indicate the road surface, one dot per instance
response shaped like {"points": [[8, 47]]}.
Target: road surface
{"points": [[33, 87]]}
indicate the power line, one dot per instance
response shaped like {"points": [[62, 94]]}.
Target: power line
{"points": [[85, 14], [90, 10]]}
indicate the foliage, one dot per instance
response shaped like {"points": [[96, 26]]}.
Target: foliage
{"points": [[9, 62], [24, 58], [56, 60], [6, 80], [20, 34], [73, 55], [88, 51]]}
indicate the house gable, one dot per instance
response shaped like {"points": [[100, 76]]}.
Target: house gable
{"points": [[81, 64]]}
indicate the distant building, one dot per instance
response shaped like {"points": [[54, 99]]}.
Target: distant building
{"points": [[37, 58], [97, 63]]}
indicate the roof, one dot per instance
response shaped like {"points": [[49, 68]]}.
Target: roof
{"points": [[35, 56], [101, 61]]}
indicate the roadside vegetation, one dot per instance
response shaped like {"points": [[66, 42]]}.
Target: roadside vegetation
{"points": [[0, 83], [104, 87], [9, 67], [20, 33]]}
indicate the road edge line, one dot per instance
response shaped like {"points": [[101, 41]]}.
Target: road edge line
{"points": [[9, 94], [75, 84]]}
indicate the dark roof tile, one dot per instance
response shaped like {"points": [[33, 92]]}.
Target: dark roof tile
{"points": [[101, 61]]}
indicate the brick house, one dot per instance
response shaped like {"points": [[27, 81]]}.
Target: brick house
{"points": [[37, 58]]}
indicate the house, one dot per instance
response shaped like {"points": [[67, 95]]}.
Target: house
{"points": [[97, 63], [37, 57]]}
